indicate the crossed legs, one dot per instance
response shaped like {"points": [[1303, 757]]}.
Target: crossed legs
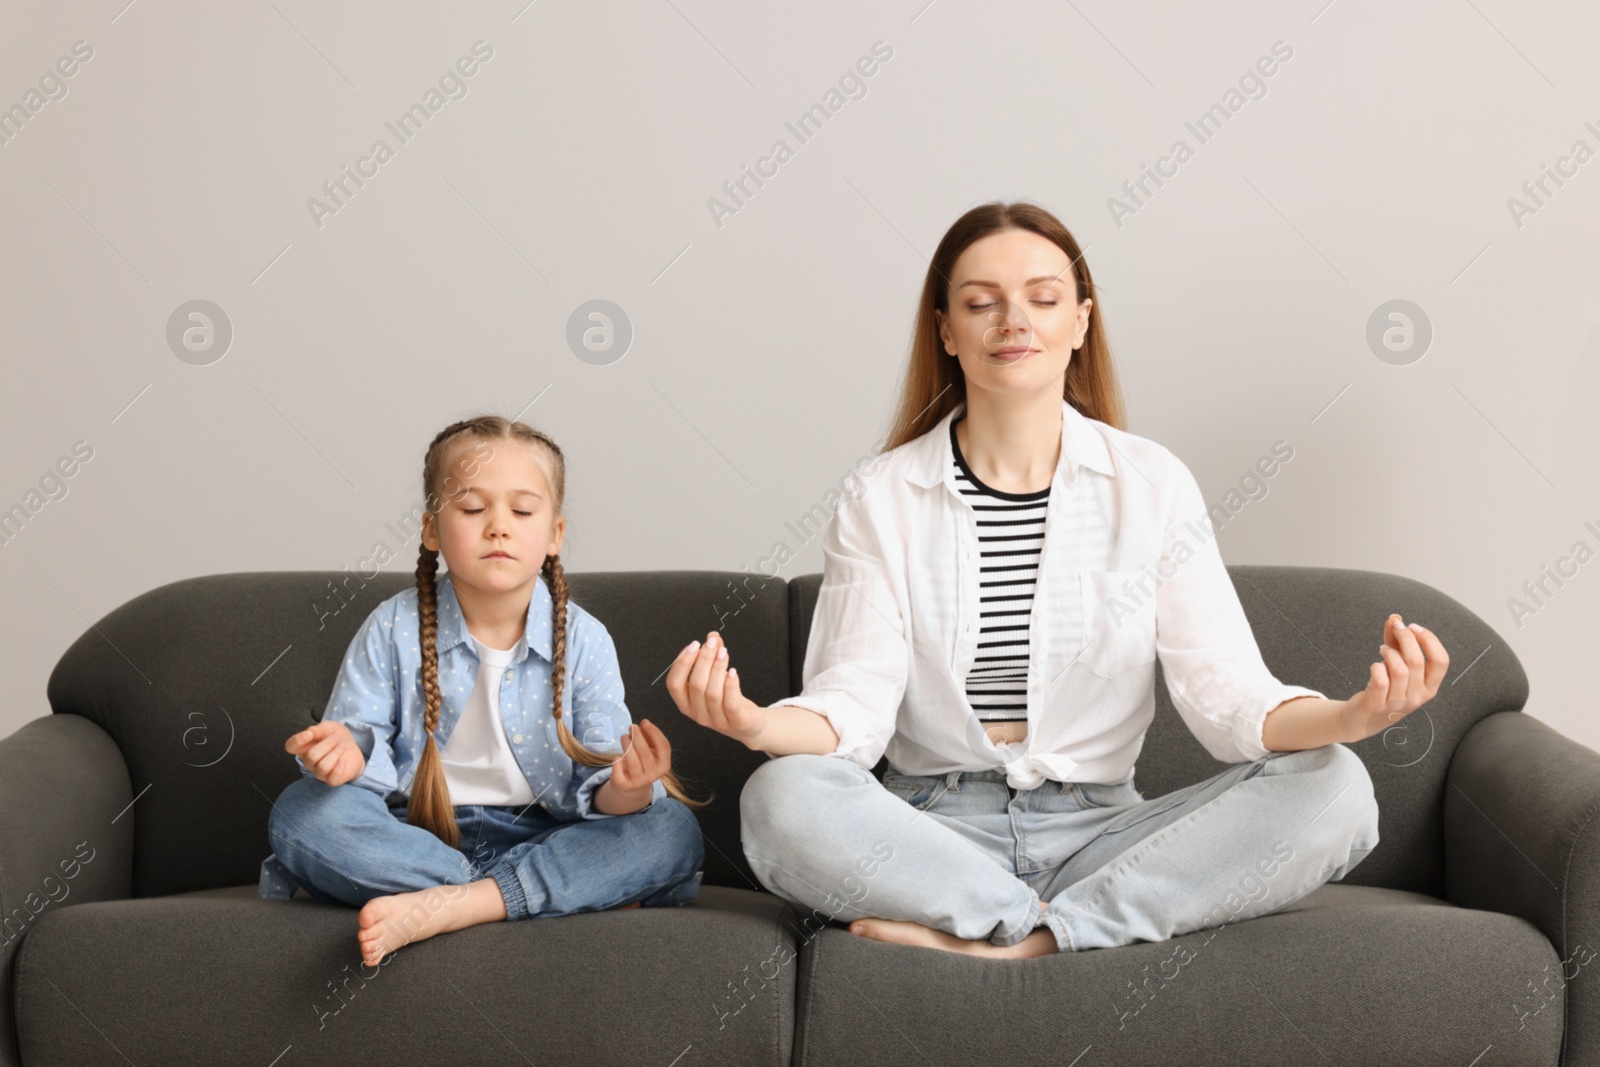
{"points": [[822, 832]]}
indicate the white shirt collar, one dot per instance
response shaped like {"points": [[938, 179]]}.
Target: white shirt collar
{"points": [[1082, 445]]}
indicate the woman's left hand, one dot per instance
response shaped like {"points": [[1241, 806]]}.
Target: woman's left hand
{"points": [[646, 756], [1412, 664]]}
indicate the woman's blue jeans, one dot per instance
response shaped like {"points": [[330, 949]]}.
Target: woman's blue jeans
{"points": [[346, 844], [1096, 863]]}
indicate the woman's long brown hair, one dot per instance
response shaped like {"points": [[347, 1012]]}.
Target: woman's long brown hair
{"points": [[429, 802], [934, 384]]}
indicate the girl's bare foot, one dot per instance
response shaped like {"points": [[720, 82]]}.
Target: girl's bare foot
{"points": [[1039, 943], [388, 923]]}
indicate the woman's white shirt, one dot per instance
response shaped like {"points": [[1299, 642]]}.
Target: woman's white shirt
{"points": [[1129, 571]]}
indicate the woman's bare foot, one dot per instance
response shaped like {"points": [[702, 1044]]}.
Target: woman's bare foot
{"points": [[388, 923], [1039, 943]]}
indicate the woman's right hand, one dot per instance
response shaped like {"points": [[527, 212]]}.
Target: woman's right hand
{"points": [[706, 690], [329, 751]]}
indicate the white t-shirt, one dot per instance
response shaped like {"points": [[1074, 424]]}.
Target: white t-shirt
{"points": [[479, 766]]}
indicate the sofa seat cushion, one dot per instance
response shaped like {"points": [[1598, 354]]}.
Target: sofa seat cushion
{"points": [[1352, 975], [222, 976]]}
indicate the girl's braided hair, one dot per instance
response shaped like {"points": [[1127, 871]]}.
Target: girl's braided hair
{"points": [[429, 802]]}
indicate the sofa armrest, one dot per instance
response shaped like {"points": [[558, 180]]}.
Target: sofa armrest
{"points": [[1521, 837], [65, 837]]}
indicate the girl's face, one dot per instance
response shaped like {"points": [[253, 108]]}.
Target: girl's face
{"points": [[497, 527], [1014, 318]]}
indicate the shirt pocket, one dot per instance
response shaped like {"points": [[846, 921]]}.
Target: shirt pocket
{"points": [[1119, 621]]}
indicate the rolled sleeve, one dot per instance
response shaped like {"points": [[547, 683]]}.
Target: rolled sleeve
{"points": [[857, 656], [1214, 672], [1249, 724], [365, 700], [598, 777], [600, 716]]}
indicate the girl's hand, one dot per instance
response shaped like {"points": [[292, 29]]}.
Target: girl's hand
{"points": [[1413, 663], [708, 692], [329, 751], [646, 756]]}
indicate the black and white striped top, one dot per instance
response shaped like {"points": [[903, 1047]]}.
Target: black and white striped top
{"points": [[1010, 542]]}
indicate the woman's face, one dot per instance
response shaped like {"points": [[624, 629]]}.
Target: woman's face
{"points": [[498, 524], [1014, 318]]}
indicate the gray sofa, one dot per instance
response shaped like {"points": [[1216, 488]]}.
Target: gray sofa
{"points": [[136, 820]]}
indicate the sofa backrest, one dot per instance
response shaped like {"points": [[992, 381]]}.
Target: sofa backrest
{"points": [[199, 682]]}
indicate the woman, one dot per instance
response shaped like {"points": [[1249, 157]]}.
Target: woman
{"points": [[991, 609]]}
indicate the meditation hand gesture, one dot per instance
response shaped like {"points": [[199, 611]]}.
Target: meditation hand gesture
{"points": [[706, 689], [646, 756], [329, 752], [1401, 683]]}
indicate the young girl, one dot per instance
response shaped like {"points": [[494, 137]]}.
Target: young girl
{"points": [[445, 786]]}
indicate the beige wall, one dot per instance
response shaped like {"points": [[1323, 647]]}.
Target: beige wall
{"points": [[576, 162]]}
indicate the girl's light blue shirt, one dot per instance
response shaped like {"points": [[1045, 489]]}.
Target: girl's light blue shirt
{"points": [[378, 696]]}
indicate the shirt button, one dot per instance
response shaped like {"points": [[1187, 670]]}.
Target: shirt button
{"points": [[517, 739], [1037, 686]]}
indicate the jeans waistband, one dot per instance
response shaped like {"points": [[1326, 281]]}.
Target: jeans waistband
{"points": [[953, 779]]}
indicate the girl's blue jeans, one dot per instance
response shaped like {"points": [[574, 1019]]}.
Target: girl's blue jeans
{"points": [[346, 845], [1097, 864]]}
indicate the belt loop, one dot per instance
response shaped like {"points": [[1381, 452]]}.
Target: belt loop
{"points": [[952, 781]]}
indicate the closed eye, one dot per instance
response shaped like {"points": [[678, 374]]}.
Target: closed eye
{"points": [[474, 511]]}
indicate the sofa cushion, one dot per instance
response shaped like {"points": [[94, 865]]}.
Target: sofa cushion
{"points": [[220, 976], [1353, 975]]}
